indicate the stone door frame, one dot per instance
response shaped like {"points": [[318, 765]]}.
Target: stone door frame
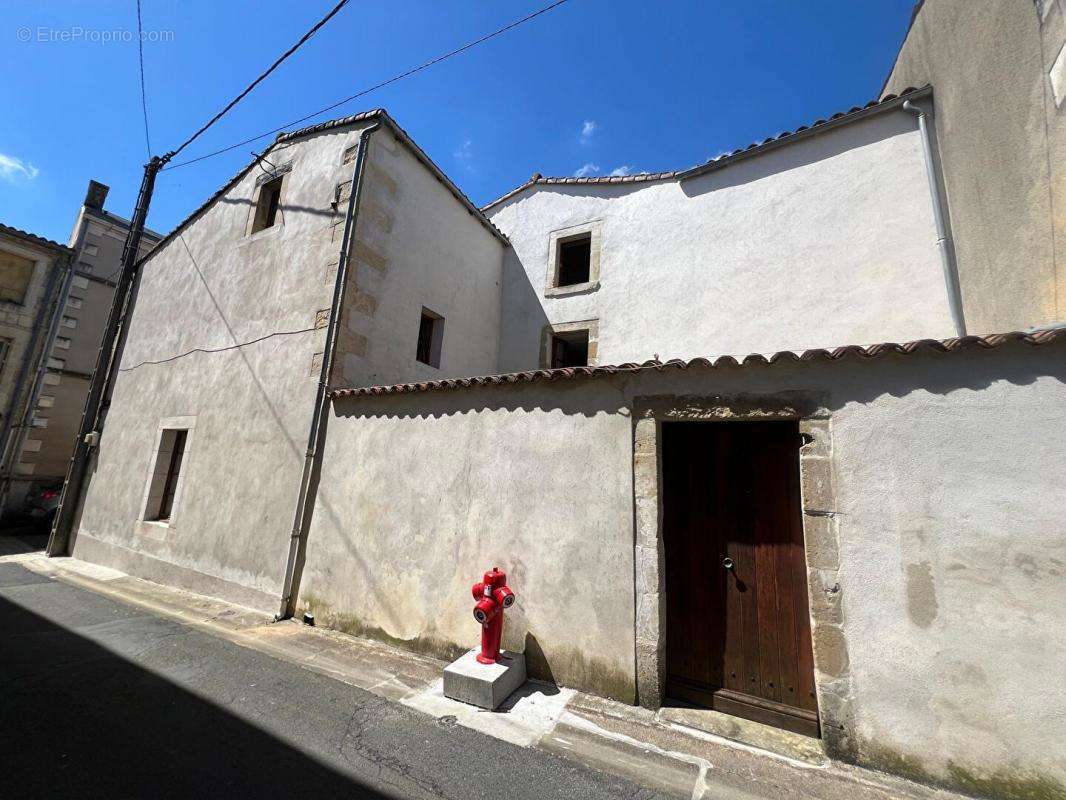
{"points": [[820, 536]]}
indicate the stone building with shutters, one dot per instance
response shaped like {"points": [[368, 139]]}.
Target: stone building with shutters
{"points": [[738, 433]]}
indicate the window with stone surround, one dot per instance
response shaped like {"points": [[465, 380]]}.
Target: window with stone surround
{"points": [[575, 256], [266, 207], [569, 344], [166, 475], [574, 260], [570, 349]]}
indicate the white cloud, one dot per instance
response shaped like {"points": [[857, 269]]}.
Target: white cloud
{"points": [[621, 171], [465, 151], [585, 170], [464, 154], [13, 169], [589, 128]]}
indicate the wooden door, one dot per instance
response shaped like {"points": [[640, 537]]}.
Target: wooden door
{"points": [[738, 632]]}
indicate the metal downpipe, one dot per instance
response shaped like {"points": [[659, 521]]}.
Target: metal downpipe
{"points": [[943, 239], [312, 460]]}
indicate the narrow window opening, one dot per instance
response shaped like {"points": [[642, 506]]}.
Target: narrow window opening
{"points": [[430, 338], [266, 210], [570, 349], [575, 260], [165, 476]]}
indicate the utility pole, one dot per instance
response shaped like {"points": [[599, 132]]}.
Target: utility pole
{"points": [[104, 373]]}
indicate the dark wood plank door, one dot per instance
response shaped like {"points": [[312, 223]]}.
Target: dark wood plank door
{"points": [[738, 632]]}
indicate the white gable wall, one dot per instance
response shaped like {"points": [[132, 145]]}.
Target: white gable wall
{"points": [[823, 242], [214, 287], [417, 245]]}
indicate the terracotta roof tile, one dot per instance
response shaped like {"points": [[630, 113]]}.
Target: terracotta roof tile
{"points": [[856, 112], [818, 355]]}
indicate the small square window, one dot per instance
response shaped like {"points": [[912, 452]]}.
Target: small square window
{"points": [[575, 260], [266, 209], [570, 349], [430, 338], [165, 475]]}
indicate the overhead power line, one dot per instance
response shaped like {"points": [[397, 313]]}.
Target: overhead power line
{"points": [[209, 350], [144, 99], [314, 29], [376, 86]]}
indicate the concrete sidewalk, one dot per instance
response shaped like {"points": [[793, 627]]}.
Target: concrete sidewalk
{"points": [[544, 742]]}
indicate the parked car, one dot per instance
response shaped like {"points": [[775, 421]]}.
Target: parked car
{"points": [[41, 503]]}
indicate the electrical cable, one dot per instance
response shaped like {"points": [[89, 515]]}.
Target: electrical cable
{"points": [[144, 99], [217, 349], [314, 29], [375, 87]]}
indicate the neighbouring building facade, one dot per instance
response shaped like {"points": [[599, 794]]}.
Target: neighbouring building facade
{"points": [[40, 451], [33, 275], [668, 405], [1000, 73]]}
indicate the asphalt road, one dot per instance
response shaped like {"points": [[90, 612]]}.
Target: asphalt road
{"points": [[101, 699]]}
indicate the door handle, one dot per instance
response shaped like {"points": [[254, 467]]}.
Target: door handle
{"points": [[727, 562]]}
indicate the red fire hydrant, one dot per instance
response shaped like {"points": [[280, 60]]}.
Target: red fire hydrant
{"points": [[492, 596]]}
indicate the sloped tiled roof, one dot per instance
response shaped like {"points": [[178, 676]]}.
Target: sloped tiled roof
{"points": [[755, 148], [18, 233], [850, 352]]}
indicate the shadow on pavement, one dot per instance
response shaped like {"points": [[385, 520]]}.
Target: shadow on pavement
{"points": [[21, 539], [80, 721]]}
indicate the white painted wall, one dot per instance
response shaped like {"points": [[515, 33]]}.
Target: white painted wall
{"points": [[215, 286], [824, 242], [419, 497], [947, 474], [437, 255]]}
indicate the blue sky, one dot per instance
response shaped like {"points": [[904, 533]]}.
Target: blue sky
{"points": [[591, 87]]}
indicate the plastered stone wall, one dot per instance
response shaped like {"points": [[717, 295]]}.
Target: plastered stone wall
{"points": [[824, 242], [238, 321], [444, 491], [416, 246], [1001, 130], [933, 524]]}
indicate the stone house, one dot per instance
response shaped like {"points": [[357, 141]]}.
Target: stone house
{"points": [[40, 452], [668, 405], [33, 273]]}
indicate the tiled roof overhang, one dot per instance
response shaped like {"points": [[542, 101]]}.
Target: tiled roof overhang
{"points": [[18, 233], [886, 103], [850, 352]]}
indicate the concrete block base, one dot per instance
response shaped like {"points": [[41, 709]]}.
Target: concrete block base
{"points": [[484, 685]]}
